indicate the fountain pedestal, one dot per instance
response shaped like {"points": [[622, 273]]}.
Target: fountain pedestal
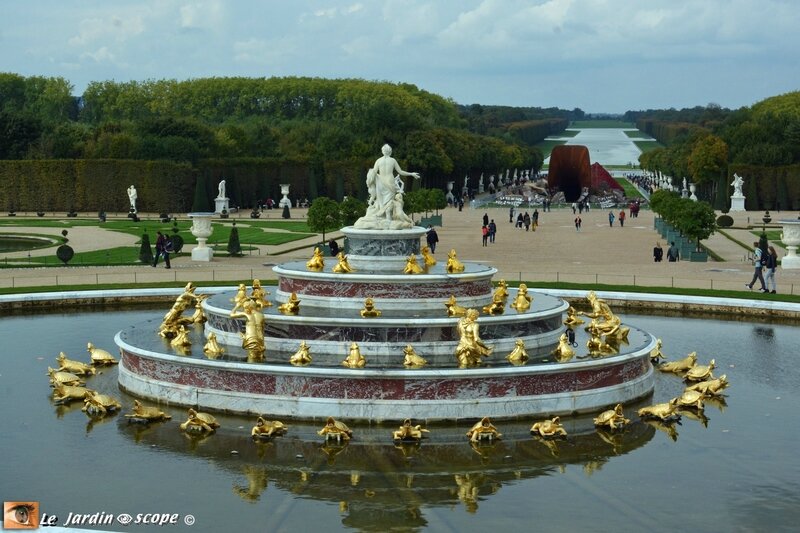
{"points": [[379, 250]]}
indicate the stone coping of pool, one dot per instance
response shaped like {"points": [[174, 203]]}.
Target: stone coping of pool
{"points": [[631, 300]]}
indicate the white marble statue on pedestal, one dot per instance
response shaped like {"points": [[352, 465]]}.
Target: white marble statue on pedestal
{"points": [[132, 196], [737, 198], [221, 201], [221, 189], [480, 184], [386, 189]]}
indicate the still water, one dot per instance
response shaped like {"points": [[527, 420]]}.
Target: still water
{"points": [[736, 470]]}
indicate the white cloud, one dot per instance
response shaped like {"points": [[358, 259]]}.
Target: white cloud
{"points": [[203, 15]]}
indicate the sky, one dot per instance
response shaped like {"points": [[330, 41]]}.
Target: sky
{"points": [[603, 56]]}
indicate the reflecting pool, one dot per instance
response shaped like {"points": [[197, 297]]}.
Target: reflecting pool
{"points": [[735, 469]]}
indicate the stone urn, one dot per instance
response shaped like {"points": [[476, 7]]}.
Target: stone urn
{"points": [[791, 238], [201, 229], [285, 202]]}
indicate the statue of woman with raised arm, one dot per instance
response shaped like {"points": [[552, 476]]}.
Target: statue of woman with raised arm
{"points": [[385, 205]]}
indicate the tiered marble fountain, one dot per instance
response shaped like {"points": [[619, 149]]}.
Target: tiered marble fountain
{"points": [[413, 313]]}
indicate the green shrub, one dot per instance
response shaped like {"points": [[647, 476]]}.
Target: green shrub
{"points": [[145, 252], [724, 221]]}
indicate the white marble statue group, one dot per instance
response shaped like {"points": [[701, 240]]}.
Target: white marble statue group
{"points": [[385, 204]]}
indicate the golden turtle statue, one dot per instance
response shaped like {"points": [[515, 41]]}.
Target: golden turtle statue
{"points": [[409, 433], [655, 353], [428, 257], [518, 355], [302, 356], [453, 309], [712, 387], [212, 347], [412, 266], [691, 398], [317, 261], [266, 429], [292, 305], [335, 430], [100, 356], [64, 378], [411, 359], [453, 264], [76, 367], [200, 422], [483, 430], [354, 359], [700, 372], [662, 411], [522, 301], [99, 404], [369, 310], [613, 418], [68, 393], [681, 365], [549, 428], [146, 414]]}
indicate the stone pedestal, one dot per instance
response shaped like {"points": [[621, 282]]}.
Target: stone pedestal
{"points": [[737, 203], [791, 238], [285, 202], [382, 250], [201, 229], [221, 205]]}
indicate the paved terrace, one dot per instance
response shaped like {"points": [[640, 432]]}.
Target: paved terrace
{"points": [[554, 252]]}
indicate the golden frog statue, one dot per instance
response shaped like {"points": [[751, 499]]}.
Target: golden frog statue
{"points": [[354, 359], [200, 422], [335, 430], [453, 264], [409, 433], [212, 347], [597, 346], [470, 347], [317, 261], [655, 353], [691, 398], [343, 266], [663, 411], [266, 429], [613, 418], [563, 352], [64, 378], [259, 295], [99, 404], [76, 367], [522, 301], [453, 309], [700, 372], [712, 387], [100, 356], [501, 291], [146, 413], [681, 365], [497, 307], [292, 305], [428, 257], [68, 393], [572, 319], [302, 356], [369, 310], [181, 338], [411, 359], [518, 355], [483, 430], [199, 316], [549, 428], [412, 267], [240, 298]]}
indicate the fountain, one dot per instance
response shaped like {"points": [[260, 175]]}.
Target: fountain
{"points": [[329, 322]]}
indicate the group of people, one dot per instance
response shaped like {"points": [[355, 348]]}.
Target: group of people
{"points": [[611, 218], [764, 260], [525, 220], [488, 230], [673, 253]]}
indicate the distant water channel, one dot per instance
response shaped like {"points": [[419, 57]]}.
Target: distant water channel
{"points": [[607, 146], [736, 470]]}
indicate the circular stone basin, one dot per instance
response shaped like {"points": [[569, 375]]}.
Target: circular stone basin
{"points": [[17, 243]]}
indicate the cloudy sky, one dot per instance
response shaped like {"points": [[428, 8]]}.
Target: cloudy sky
{"points": [[599, 55]]}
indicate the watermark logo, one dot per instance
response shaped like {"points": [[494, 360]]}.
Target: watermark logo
{"points": [[20, 515]]}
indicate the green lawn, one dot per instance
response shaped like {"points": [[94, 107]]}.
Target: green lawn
{"points": [[547, 146], [638, 134], [630, 191], [646, 146], [588, 124], [567, 133]]}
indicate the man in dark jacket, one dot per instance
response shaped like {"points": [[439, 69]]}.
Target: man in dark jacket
{"points": [[163, 247], [432, 238]]}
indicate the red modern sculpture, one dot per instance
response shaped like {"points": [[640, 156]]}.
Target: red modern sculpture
{"points": [[570, 170]]}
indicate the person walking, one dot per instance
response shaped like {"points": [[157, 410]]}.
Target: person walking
{"points": [[432, 238], [758, 264], [485, 219], [611, 219], [672, 253], [492, 230], [578, 223], [485, 234], [622, 219], [526, 220], [511, 215], [771, 264], [658, 253], [163, 248]]}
